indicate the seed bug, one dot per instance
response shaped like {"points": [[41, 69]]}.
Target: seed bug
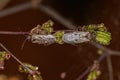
{"points": [[43, 39], [41, 34], [76, 37]]}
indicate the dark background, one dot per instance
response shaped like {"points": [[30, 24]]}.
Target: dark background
{"points": [[55, 59]]}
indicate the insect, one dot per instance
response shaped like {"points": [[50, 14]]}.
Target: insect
{"points": [[76, 37], [46, 35], [41, 34], [43, 39]]}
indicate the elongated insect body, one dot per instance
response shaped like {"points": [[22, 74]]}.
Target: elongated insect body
{"points": [[76, 37], [43, 39], [70, 38]]}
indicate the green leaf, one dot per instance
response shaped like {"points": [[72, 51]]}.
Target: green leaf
{"points": [[103, 38], [47, 26], [21, 69], [35, 77], [58, 35]]}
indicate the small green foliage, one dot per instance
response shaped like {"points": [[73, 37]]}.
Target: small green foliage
{"points": [[21, 69], [100, 52], [94, 28], [47, 26], [101, 35], [58, 35], [101, 27], [45, 29], [2, 55], [89, 28], [93, 75], [36, 74], [95, 71], [34, 77]]}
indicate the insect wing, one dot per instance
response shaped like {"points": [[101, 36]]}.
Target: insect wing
{"points": [[43, 39], [76, 37]]}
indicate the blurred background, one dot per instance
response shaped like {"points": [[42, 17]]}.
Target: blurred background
{"points": [[55, 60]]}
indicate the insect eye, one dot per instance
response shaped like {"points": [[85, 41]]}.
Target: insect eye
{"points": [[45, 43], [75, 34], [34, 40], [76, 40]]}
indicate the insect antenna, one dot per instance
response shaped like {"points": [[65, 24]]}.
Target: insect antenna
{"points": [[23, 44]]}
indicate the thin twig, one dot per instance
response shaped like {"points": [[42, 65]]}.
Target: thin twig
{"points": [[106, 50], [110, 69], [89, 68], [15, 9], [115, 53], [29, 70], [13, 33], [84, 73], [52, 13], [109, 62]]}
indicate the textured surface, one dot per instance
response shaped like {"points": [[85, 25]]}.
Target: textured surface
{"points": [[55, 59]]}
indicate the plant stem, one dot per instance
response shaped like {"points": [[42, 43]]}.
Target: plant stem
{"points": [[13, 33], [109, 62], [15, 9], [89, 68], [29, 70]]}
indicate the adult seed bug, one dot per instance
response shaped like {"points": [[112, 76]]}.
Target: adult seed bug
{"points": [[76, 37], [41, 34]]}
